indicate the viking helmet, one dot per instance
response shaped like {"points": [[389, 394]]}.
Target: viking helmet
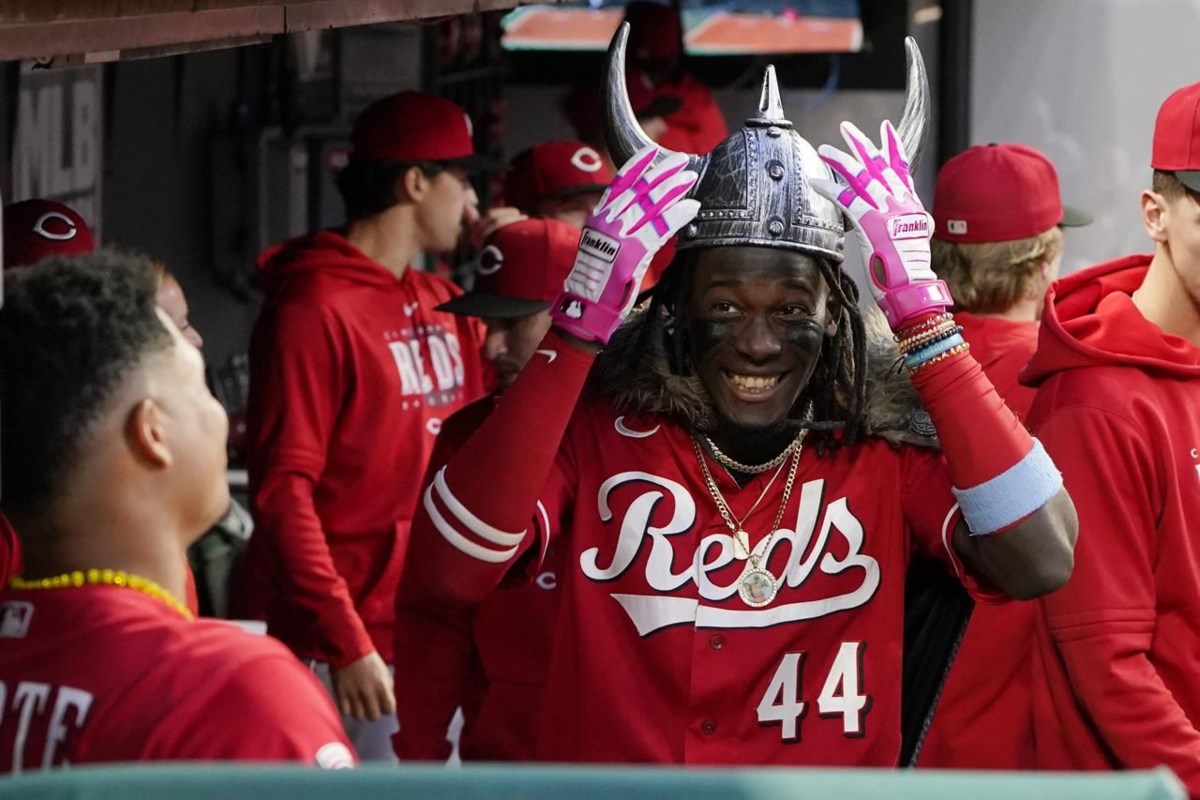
{"points": [[754, 187]]}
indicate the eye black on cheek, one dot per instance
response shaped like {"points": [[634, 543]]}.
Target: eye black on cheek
{"points": [[707, 335]]}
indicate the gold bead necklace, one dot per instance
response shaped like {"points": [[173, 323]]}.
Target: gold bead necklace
{"points": [[105, 577]]}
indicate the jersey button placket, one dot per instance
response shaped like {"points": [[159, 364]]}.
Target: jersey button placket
{"points": [[708, 727], [716, 641]]}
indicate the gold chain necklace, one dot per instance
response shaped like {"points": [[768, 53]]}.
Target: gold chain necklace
{"points": [[105, 577], [756, 586], [752, 469]]}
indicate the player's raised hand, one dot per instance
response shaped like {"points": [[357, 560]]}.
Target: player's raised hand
{"points": [[640, 211], [877, 195], [364, 689]]}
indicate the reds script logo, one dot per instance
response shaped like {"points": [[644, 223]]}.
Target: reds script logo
{"points": [[651, 612]]}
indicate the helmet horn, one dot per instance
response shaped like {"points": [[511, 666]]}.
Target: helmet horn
{"points": [[621, 129], [915, 123]]}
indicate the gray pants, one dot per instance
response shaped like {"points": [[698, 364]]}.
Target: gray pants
{"points": [[372, 740]]}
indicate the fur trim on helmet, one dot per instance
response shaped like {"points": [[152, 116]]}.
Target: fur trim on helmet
{"points": [[634, 373]]}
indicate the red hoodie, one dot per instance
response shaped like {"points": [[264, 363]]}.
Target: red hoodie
{"points": [[352, 372], [1117, 655]]}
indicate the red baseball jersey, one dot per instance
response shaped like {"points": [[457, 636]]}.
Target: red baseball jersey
{"points": [[657, 658], [103, 673], [988, 694], [1117, 661], [352, 373], [492, 661]]}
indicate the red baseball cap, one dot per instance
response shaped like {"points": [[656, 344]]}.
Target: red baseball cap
{"points": [[999, 192], [414, 126], [554, 169], [521, 270], [1177, 136], [37, 229], [655, 31], [584, 106]]}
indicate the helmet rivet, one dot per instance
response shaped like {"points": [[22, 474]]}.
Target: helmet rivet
{"points": [[775, 226], [775, 170], [691, 230], [774, 131]]}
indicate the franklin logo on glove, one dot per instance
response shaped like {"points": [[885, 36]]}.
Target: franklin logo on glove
{"points": [[599, 245], [909, 226]]}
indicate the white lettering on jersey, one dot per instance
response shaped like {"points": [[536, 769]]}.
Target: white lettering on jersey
{"points": [[840, 696], [68, 699], [29, 701], [651, 612], [444, 356], [409, 382]]}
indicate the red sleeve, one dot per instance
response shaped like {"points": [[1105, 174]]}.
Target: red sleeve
{"points": [[297, 384], [1102, 622], [266, 709], [475, 519], [932, 515], [434, 655]]}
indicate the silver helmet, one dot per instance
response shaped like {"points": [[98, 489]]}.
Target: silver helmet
{"points": [[754, 187]]}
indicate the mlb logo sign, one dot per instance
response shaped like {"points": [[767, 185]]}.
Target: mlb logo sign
{"points": [[14, 619]]}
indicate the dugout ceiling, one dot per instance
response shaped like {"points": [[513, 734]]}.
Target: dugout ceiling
{"points": [[92, 31]]}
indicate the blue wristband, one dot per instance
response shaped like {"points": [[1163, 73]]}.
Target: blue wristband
{"points": [[1012, 495], [931, 351]]}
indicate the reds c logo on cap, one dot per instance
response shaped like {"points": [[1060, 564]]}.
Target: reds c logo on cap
{"points": [[586, 159], [55, 226], [490, 260]]}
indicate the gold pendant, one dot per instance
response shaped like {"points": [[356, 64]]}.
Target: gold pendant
{"points": [[757, 587], [741, 545]]}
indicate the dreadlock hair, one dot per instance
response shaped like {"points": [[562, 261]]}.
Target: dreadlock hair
{"points": [[837, 388], [72, 330]]}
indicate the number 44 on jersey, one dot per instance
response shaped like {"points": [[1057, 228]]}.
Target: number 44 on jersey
{"points": [[840, 695]]}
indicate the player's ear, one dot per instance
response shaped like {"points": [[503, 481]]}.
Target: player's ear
{"points": [[145, 435], [1155, 213], [412, 185]]}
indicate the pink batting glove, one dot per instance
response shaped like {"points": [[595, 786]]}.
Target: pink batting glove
{"points": [[892, 226], [640, 210]]}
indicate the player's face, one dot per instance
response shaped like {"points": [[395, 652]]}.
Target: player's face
{"points": [[510, 343], [449, 201], [196, 429], [573, 210], [756, 320], [171, 300]]}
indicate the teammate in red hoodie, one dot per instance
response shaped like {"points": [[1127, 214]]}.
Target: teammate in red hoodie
{"points": [[352, 372], [997, 243], [112, 466], [494, 661], [1117, 680]]}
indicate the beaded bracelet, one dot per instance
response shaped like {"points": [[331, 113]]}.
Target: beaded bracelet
{"points": [[923, 340], [924, 325], [923, 354], [953, 351]]}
